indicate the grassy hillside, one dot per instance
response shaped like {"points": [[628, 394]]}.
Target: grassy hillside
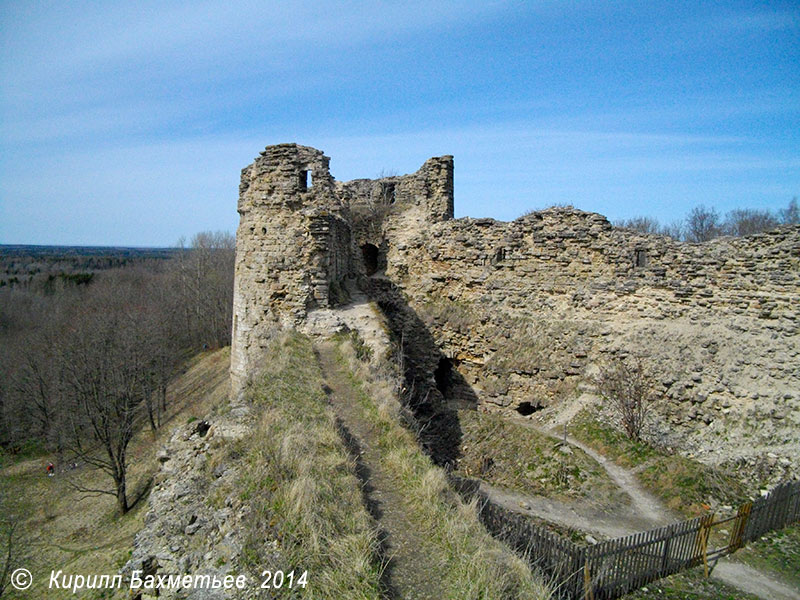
{"points": [[63, 529], [462, 559], [311, 487], [300, 484]]}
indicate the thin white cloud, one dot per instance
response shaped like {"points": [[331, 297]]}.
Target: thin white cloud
{"points": [[764, 20], [67, 40]]}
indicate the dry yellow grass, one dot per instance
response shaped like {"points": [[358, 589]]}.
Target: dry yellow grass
{"points": [[476, 565], [63, 529], [300, 483]]}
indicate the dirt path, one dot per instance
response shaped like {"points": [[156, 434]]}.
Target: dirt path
{"points": [[752, 581], [584, 518], [645, 505], [357, 315], [412, 571], [648, 507], [645, 512], [573, 515]]}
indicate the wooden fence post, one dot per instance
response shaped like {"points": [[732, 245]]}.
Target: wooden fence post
{"points": [[588, 589], [742, 516], [705, 531], [667, 543]]}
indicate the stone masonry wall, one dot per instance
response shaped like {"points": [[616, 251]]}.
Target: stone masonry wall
{"points": [[527, 311], [385, 211], [300, 236], [292, 244]]}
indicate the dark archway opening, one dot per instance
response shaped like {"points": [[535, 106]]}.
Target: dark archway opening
{"points": [[443, 375], [369, 253], [528, 408]]}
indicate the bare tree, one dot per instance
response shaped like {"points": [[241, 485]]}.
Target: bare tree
{"points": [[640, 224], [629, 390], [748, 221], [650, 225], [108, 373], [36, 381], [791, 214], [702, 224], [205, 273], [674, 230], [83, 366], [161, 340]]}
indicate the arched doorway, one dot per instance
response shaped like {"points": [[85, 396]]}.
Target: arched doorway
{"points": [[369, 253], [443, 376]]}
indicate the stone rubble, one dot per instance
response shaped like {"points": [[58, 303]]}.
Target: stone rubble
{"points": [[194, 519]]}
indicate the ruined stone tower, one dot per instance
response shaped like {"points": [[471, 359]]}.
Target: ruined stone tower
{"points": [[513, 317], [302, 237]]}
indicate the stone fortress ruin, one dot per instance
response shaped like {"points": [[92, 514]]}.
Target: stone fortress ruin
{"points": [[517, 316]]}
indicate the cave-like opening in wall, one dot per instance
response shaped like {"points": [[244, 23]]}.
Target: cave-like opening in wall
{"points": [[369, 254], [443, 375], [528, 408]]}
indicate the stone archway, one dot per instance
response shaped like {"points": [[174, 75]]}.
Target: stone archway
{"points": [[369, 254]]}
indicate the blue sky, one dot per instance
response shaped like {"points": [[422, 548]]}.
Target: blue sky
{"points": [[128, 123]]}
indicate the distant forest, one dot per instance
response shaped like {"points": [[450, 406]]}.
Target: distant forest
{"points": [[90, 338], [703, 224], [45, 268]]}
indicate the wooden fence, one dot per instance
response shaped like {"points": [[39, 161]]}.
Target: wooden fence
{"points": [[614, 568]]}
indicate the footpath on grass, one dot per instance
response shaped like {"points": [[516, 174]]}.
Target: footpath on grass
{"points": [[645, 512], [412, 569], [433, 543]]}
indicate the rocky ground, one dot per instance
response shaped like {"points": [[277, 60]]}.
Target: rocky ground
{"points": [[194, 524]]}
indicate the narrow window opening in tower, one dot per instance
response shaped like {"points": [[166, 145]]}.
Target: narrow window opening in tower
{"points": [[641, 258], [310, 179], [389, 193], [303, 180], [369, 253], [443, 375]]}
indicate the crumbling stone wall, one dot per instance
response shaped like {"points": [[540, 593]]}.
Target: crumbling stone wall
{"points": [[292, 247], [387, 211], [526, 310], [301, 234]]}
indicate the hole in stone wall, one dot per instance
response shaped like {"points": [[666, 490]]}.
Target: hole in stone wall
{"points": [[369, 253], [641, 258], [263, 230], [500, 255], [303, 181], [388, 193], [443, 376], [528, 408]]}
